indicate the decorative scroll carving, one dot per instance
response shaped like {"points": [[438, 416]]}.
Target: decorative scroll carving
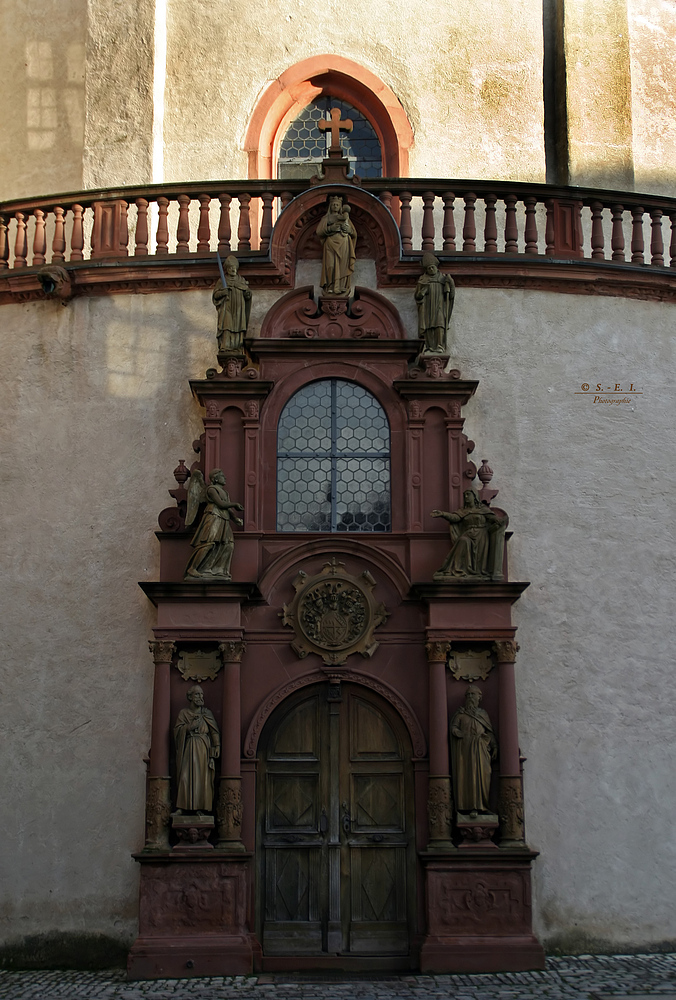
{"points": [[158, 812], [334, 614], [229, 812], [470, 665], [510, 810], [232, 650], [162, 650], [488, 903], [505, 650], [439, 808], [199, 665], [193, 898]]}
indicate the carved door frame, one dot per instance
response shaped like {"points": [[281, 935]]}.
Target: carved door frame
{"points": [[340, 841]]}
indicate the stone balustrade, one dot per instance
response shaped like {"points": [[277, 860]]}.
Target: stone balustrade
{"points": [[455, 219]]}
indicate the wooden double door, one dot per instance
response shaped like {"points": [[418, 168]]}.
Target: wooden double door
{"points": [[336, 855]]}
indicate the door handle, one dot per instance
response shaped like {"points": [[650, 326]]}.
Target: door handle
{"points": [[347, 819], [323, 822]]}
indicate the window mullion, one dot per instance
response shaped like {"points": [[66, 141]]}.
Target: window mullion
{"points": [[334, 458]]}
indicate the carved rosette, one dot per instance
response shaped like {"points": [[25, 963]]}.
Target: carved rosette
{"points": [[510, 810], [334, 614], [162, 650], [439, 809], [505, 650], [232, 651], [229, 813], [158, 814]]}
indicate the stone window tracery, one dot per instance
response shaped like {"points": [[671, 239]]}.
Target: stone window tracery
{"points": [[333, 460]]}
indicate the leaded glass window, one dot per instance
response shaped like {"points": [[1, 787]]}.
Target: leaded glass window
{"points": [[304, 147], [333, 460]]}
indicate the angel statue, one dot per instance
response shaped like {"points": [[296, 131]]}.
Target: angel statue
{"points": [[213, 541]]}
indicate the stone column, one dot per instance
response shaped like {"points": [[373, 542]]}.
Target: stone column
{"points": [[229, 804], [439, 804], [511, 785], [158, 797]]}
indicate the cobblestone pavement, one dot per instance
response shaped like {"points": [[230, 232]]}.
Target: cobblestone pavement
{"points": [[584, 977]]}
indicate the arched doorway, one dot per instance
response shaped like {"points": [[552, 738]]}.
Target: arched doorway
{"points": [[335, 828]]}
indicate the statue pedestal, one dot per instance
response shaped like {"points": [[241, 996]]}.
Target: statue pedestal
{"points": [[476, 831], [192, 832], [192, 916], [479, 913]]}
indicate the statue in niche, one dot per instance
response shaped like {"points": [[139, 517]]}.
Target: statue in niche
{"points": [[198, 743], [339, 241], [473, 748], [434, 294], [478, 541], [213, 541], [233, 305]]}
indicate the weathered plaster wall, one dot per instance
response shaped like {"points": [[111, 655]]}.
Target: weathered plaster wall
{"points": [[42, 74], [652, 40], [469, 77], [101, 411]]}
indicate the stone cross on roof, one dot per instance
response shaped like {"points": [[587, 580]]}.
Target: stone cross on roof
{"points": [[336, 125]]}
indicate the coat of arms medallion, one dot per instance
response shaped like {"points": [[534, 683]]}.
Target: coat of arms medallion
{"points": [[334, 614]]}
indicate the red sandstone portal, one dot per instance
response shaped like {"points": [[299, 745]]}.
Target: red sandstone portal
{"points": [[336, 844]]}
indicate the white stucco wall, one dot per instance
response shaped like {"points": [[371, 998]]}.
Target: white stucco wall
{"points": [[101, 411]]}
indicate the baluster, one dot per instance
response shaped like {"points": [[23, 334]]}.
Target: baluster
{"points": [[77, 235], [266, 220], [672, 245], [448, 228], [550, 229], [284, 198], [386, 198], [59, 241], [405, 222], [428, 221], [637, 235], [531, 230], [183, 228], [656, 240], [141, 249], [124, 228], [203, 229], [617, 238], [162, 226], [4, 242], [244, 227], [21, 241], [491, 226], [469, 228], [224, 232], [597, 240], [40, 238], [511, 230]]}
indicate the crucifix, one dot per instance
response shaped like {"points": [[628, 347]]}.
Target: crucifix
{"points": [[336, 125]]}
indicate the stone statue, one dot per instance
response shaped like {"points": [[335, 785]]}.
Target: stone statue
{"points": [[473, 747], [339, 240], [197, 742], [435, 294], [233, 305], [213, 541], [478, 541]]}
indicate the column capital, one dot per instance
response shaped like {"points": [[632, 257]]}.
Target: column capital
{"points": [[437, 650], [232, 651], [505, 650], [162, 650]]}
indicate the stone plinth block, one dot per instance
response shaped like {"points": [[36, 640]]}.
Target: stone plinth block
{"points": [[192, 918], [479, 914]]}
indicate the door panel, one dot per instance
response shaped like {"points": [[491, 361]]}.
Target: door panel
{"points": [[336, 854]]}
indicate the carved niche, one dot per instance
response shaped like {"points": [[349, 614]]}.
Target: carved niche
{"points": [[334, 614]]}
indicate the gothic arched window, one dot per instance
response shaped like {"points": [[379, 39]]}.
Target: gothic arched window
{"points": [[333, 460], [304, 146]]}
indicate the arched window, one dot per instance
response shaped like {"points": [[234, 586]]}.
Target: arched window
{"points": [[333, 460], [304, 146]]}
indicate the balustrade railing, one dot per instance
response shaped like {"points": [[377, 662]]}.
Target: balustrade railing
{"points": [[463, 219]]}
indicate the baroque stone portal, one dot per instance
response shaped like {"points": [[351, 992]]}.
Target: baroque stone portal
{"points": [[213, 541], [478, 537], [339, 241], [198, 742], [334, 614]]}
